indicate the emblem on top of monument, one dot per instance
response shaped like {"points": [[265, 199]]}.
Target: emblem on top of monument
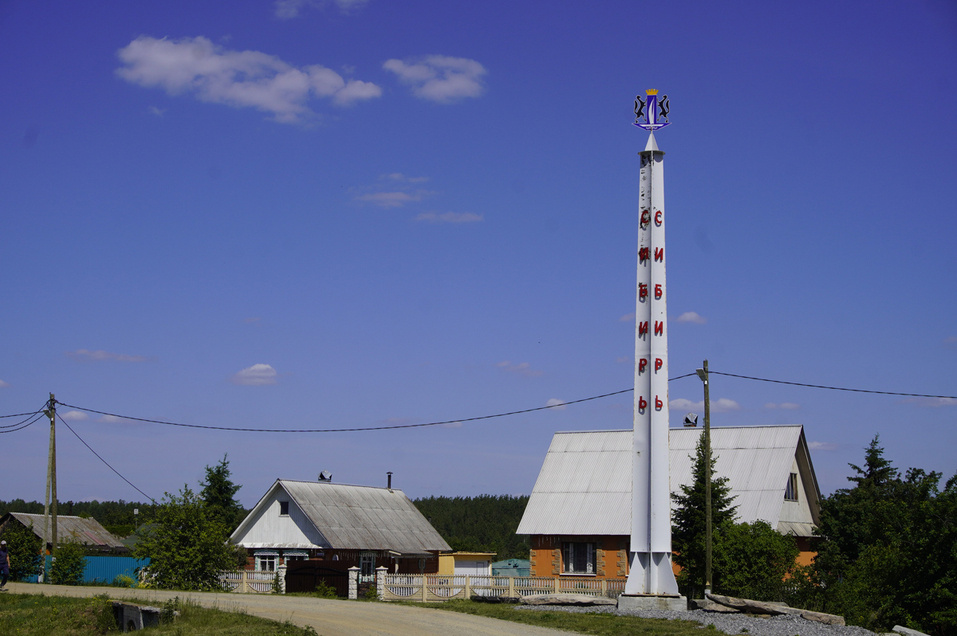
{"points": [[652, 113]]}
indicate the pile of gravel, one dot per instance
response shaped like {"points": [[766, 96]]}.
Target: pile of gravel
{"points": [[783, 625]]}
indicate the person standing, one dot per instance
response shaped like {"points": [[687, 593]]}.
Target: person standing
{"points": [[4, 564]]}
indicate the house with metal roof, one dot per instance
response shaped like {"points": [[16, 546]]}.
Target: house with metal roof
{"points": [[352, 525], [579, 512], [86, 531]]}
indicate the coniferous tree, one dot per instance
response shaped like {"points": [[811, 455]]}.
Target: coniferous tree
{"points": [[688, 522], [219, 494], [887, 548]]}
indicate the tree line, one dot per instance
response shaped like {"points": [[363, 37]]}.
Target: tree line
{"points": [[486, 523], [886, 549]]}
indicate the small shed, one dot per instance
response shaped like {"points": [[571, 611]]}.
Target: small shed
{"points": [[86, 531]]}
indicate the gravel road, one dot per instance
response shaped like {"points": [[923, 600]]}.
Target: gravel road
{"points": [[348, 618], [327, 617]]}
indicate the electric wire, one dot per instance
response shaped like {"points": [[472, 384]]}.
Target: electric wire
{"points": [[22, 424], [82, 441], [468, 419], [831, 388], [350, 429]]}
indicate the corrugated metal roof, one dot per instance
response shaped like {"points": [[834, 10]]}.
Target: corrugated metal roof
{"points": [[364, 518], [584, 487], [87, 531]]}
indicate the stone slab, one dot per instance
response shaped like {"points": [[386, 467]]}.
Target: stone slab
{"points": [[652, 602]]}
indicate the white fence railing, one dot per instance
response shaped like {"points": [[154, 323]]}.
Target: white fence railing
{"points": [[439, 587], [247, 581]]}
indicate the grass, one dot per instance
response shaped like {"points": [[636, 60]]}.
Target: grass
{"points": [[38, 615], [587, 623]]}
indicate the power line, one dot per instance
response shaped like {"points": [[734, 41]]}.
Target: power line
{"points": [[22, 424], [468, 419], [82, 441], [833, 388], [351, 429]]}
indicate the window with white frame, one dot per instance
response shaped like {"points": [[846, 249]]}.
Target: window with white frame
{"points": [[266, 561], [791, 491], [578, 558], [367, 566], [294, 556]]}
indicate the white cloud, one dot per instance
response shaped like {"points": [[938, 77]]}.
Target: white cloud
{"points": [[159, 112], [100, 356], [256, 375], [822, 446], [288, 9], [3, 384], [692, 317], [627, 318], [75, 416], [556, 404], [236, 78], [450, 217], [787, 406], [440, 78], [393, 199], [401, 178], [723, 405], [522, 368], [931, 402]]}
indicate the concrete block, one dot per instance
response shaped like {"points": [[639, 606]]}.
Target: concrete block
{"points": [[650, 601]]}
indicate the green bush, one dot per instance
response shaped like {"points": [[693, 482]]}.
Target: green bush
{"points": [[324, 590], [753, 560], [123, 580], [24, 548], [68, 564]]}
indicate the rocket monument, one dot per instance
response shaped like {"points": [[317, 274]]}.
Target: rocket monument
{"points": [[651, 581]]}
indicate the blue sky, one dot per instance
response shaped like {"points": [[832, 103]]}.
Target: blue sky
{"points": [[365, 213]]}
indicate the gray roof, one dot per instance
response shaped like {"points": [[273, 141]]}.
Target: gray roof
{"points": [[584, 487], [359, 517], [85, 530]]}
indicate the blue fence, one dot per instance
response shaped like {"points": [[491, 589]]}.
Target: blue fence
{"points": [[104, 569]]}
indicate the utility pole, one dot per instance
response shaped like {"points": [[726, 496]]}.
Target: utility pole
{"points": [[703, 374], [50, 412]]}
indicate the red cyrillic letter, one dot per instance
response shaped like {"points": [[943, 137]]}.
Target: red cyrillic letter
{"points": [[642, 404], [659, 254], [642, 328], [658, 216], [659, 328], [644, 254], [642, 363], [658, 404], [658, 291], [659, 363]]}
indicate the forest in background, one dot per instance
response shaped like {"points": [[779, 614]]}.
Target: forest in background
{"points": [[485, 523]]}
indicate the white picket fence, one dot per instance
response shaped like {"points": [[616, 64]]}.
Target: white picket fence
{"points": [[246, 581], [438, 587]]}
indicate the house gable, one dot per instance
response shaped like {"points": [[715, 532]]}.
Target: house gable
{"points": [[338, 517], [267, 526], [584, 487]]}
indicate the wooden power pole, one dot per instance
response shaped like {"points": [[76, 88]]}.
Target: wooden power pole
{"points": [[50, 532]]}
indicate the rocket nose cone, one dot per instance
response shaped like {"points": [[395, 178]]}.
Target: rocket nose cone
{"points": [[652, 145]]}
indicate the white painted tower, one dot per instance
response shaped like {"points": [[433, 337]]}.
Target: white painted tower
{"points": [[651, 581]]}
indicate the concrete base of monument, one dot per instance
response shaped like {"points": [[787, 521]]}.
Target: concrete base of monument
{"points": [[652, 602]]}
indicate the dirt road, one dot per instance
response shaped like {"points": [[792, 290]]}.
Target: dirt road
{"points": [[327, 617]]}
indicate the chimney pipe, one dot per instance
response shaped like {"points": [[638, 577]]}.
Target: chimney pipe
{"points": [[389, 475]]}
